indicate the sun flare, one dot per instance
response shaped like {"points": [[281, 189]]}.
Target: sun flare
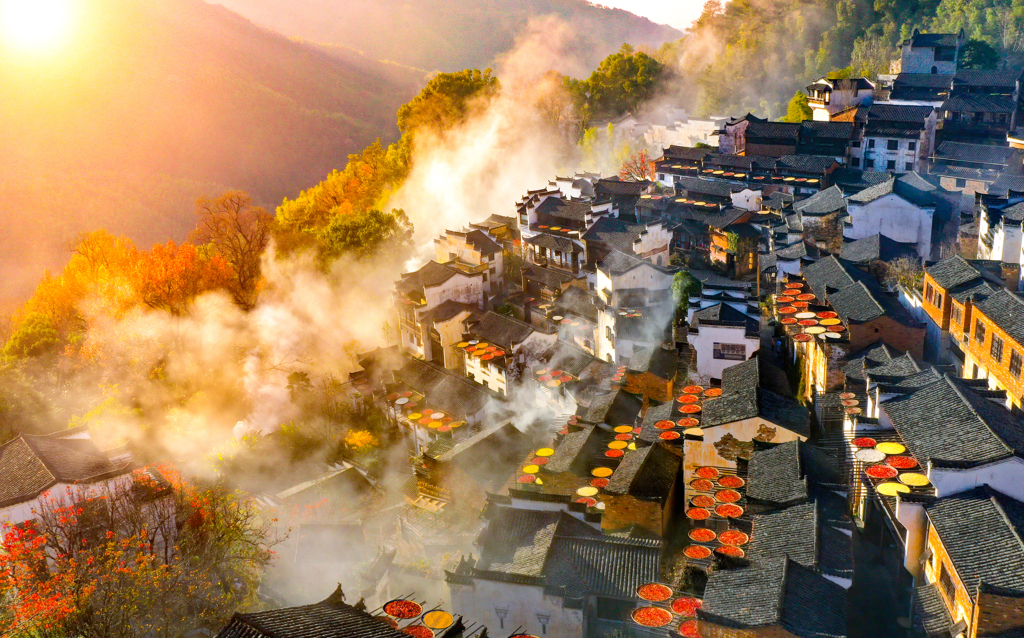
{"points": [[35, 25]]}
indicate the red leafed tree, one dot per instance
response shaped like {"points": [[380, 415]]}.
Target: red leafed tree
{"points": [[170, 276], [638, 168], [155, 556]]}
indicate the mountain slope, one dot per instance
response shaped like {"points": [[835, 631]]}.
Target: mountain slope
{"points": [[154, 102], [444, 35]]}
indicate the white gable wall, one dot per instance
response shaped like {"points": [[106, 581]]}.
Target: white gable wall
{"points": [[894, 217]]}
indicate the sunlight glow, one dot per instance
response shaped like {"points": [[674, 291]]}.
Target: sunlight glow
{"points": [[35, 25]]}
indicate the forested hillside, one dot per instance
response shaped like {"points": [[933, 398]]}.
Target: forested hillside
{"points": [[448, 36], [156, 102], [753, 54]]}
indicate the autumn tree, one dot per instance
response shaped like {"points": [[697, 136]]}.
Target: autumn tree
{"points": [[170, 276], [157, 556], [239, 232], [638, 168]]}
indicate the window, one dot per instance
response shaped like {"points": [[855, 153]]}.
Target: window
{"points": [[892, 145], [661, 177], [730, 351], [961, 183], [855, 144], [1015, 363], [871, 143], [855, 162], [979, 331], [908, 166], [997, 349], [929, 292], [957, 314], [890, 165], [911, 146], [946, 581]]}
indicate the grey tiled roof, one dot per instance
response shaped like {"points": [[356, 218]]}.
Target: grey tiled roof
{"points": [[716, 188], [852, 292], [931, 618], [976, 153], [823, 202], [655, 412], [554, 242], [747, 404], [446, 390], [326, 619], [877, 248], [1006, 310], [773, 130], [977, 103], [578, 302], [1004, 78], [550, 277], [723, 313], [569, 450], [816, 164], [646, 473], [954, 271], [776, 593], [992, 551], [785, 473], [656, 360], [430, 275], [31, 464], [932, 40], [482, 242], [899, 113], [573, 209], [615, 232], [572, 558], [803, 533], [872, 356], [501, 330], [852, 180], [946, 422]]}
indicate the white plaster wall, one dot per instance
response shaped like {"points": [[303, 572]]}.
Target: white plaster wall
{"points": [[913, 517], [704, 343], [61, 495], [523, 602], [894, 217], [747, 199], [460, 287], [1006, 476]]}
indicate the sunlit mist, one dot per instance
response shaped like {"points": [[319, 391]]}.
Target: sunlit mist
{"points": [[35, 25]]}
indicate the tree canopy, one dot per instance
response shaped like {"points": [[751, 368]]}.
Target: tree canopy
{"points": [[621, 83], [798, 109]]}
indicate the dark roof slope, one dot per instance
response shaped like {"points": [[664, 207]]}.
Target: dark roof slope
{"points": [[978, 103], [481, 242], [616, 232], [1006, 310], [974, 153], [971, 430], [446, 390], [804, 533], [899, 113], [722, 314], [501, 330], [823, 202], [779, 592], [956, 270], [646, 473], [993, 551], [330, 618], [783, 474], [877, 248], [430, 275], [31, 464]]}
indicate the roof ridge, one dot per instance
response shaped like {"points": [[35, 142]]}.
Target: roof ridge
{"points": [[993, 495], [46, 465], [970, 406]]}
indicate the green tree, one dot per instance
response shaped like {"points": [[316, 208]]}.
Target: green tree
{"points": [[447, 100], [683, 285], [978, 54], [364, 234], [36, 335], [623, 81], [798, 110]]}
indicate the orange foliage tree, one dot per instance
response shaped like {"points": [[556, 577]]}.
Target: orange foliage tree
{"points": [[638, 168], [170, 276], [239, 232], [157, 556]]}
